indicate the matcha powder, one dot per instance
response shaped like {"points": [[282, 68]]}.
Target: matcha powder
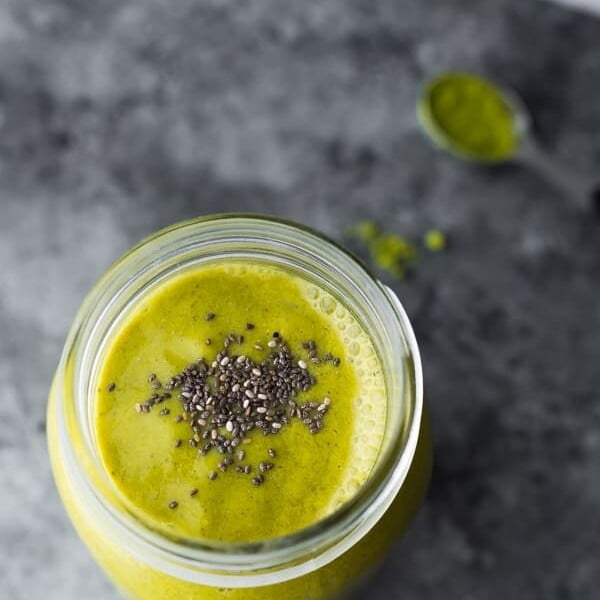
{"points": [[470, 117]]}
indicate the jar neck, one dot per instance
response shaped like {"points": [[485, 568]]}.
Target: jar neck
{"points": [[311, 256]]}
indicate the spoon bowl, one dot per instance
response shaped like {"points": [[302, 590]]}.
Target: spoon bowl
{"points": [[478, 121]]}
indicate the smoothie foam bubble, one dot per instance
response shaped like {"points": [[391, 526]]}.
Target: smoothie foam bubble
{"points": [[370, 401]]}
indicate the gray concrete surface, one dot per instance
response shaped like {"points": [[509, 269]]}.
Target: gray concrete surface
{"points": [[117, 118]]}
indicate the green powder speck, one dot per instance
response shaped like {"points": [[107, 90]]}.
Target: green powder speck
{"points": [[470, 117], [434, 240], [365, 231], [390, 252], [387, 251]]}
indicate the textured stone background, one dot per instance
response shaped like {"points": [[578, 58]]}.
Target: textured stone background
{"points": [[119, 117]]}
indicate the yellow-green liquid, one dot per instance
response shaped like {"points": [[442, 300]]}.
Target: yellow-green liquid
{"points": [[313, 473]]}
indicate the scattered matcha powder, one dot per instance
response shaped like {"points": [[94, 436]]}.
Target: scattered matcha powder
{"points": [[390, 252], [365, 231], [434, 240]]}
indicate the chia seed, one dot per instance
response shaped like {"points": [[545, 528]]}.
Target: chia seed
{"points": [[225, 400]]}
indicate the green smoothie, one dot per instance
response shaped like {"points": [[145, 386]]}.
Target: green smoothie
{"points": [[151, 456]]}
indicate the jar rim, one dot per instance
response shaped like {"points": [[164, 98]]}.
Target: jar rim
{"points": [[275, 559]]}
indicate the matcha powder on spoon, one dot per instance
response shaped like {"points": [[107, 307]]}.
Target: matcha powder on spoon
{"points": [[470, 117]]}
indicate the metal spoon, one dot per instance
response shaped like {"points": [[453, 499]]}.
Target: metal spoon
{"points": [[583, 191]]}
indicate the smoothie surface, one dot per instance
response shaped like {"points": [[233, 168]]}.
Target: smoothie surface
{"points": [[313, 473]]}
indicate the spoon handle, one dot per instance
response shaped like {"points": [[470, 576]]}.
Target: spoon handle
{"points": [[584, 192]]}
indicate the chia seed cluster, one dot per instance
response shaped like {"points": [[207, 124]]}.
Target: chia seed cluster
{"points": [[225, 400]]}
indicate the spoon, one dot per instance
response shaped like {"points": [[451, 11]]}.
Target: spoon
{"points": [[463, 92]]}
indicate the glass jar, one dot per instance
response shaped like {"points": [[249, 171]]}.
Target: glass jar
{"points": [[326, 560]]}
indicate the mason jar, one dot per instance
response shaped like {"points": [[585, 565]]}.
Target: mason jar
{"points": [[327, 560]]}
